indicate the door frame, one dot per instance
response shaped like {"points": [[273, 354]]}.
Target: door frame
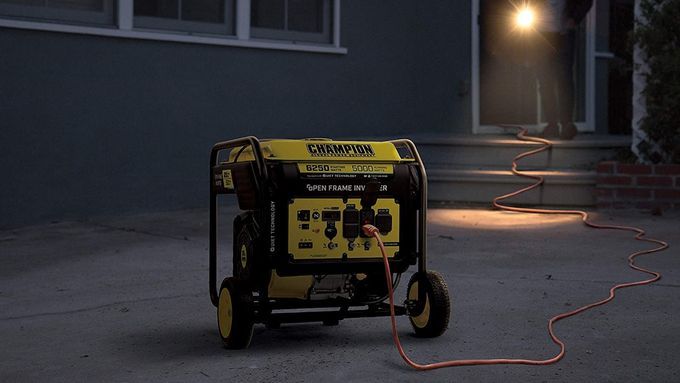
{"points": [[586, 126]]}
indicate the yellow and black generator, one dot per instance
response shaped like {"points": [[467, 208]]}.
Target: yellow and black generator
{"points": [[299, 243]]}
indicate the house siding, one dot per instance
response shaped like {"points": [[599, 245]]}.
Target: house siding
{"points": [[96, 125]]}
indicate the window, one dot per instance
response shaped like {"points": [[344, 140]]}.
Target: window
{"points": [[296, 20], [296, 25], [62, 11], [202, 16]]}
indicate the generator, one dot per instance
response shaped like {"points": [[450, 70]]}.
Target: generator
{"points": [[299, 252]]}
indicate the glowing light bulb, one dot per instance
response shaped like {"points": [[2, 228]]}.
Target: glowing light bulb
{"points": [[525, 18]]}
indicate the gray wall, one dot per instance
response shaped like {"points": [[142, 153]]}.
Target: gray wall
{"points": [[443, 70], [93, 125]]}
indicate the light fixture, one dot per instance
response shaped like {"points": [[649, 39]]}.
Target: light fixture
{"points": [[525, 17]]}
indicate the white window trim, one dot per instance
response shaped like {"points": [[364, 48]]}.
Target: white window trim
{"points": [[125, 29], [243, 19]]}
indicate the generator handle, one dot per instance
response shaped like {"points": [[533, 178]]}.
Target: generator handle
{"points": [[422, 217], [254, 143]]}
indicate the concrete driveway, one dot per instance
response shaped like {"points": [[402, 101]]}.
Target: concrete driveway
{"points": [[125, 299]]}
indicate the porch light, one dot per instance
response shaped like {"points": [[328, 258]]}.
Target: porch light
{"points": [[525, 17]]}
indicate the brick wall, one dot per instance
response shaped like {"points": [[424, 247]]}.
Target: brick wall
{"points": [[637, 186]]}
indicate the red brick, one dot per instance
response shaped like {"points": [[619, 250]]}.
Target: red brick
{"points": [[654, 181], [667, 194], [667, 169], [652, 205], [622, 205], [602, 192], [634, 169], [614, 180], [628, 193], [604, 205], [645, 205], [606, 167]]}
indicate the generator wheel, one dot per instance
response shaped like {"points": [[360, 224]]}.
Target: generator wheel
{"points": [[434, 318], [235, 314]]}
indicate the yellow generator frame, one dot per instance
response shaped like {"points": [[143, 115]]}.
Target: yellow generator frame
{"points": [[298, 242]]}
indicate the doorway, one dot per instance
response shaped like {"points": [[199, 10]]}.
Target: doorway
{"points": [[504, 57]]}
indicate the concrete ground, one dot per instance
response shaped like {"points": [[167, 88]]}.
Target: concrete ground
{"points": [[125, 299]]}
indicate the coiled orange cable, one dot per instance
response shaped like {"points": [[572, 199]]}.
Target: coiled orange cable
{"points": [[640, 236]]}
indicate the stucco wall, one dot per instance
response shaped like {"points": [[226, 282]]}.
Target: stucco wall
{"points": [[95, 125]]}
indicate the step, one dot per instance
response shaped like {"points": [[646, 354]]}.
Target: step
{"points": [[561, 187], [584, 152]]}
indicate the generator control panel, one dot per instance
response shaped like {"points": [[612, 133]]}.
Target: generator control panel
{"points": [[330, 228]]}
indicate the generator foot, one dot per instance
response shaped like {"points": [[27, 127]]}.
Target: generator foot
{"points": [[273, 325], [331, 322]]}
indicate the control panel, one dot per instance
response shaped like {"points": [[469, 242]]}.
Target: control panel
{"points": [[330, 228]]}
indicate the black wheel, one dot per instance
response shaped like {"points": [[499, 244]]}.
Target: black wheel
{"points": [[235, 314], [433, 319]]}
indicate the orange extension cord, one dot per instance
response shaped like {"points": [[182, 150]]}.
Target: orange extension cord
{"points": [[640, 236]]}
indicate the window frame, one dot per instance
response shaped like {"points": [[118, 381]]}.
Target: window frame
{"points": [[123, 27], [284, 34], [41, 13], [227, 28]]}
